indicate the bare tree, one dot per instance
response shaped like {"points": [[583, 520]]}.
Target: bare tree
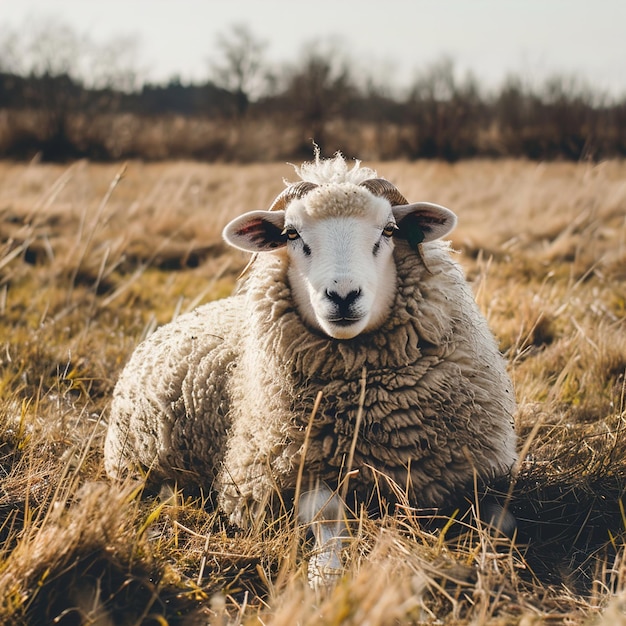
{"points": [[320, 87], [51, 47], [48, 46], [60, 66], [114, 64], [446, 113], [10, 56], [241, 66]]}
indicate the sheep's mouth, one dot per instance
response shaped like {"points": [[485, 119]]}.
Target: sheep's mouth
{"points": [[344, 321]]}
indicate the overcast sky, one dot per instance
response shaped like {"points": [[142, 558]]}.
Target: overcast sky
{"points": [[395, 38]]}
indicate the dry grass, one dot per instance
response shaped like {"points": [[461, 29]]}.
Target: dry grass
{"points": [[93, 257]]}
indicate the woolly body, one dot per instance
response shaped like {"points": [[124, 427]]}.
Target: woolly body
{"points": [[221, 397]]}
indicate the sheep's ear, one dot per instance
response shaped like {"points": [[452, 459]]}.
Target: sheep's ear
{"points": [[422, 221], [257, 231]]}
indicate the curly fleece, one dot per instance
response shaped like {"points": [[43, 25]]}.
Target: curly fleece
{"points": [[221, 397]]}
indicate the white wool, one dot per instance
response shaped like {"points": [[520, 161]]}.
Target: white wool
{"points": [[221, 397], [327, 171]]}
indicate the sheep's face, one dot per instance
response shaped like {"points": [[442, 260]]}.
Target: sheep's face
{"points": [[341, 268], [339, 240]]}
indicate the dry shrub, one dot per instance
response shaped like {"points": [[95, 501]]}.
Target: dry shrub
{"points": [[86, 563]]}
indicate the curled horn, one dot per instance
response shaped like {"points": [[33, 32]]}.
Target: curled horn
{"points": [[382, 187], [290, 193]]}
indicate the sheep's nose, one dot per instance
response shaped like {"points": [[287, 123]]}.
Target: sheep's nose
{"points": [[342, 302]]}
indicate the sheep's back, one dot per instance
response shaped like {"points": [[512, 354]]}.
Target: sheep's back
{"points": [[170, 409]]}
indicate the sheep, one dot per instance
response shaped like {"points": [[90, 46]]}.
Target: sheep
{"points": [[353, 353]]}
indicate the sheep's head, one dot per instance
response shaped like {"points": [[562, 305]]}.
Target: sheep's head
{"points": [[339, 239]]}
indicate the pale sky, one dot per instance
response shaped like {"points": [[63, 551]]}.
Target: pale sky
{"points": [[395, 38]]}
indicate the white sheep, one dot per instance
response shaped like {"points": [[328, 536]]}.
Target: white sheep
{"points": [[352, 301]]}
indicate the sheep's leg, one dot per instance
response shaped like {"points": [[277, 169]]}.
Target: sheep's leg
{"points": [[323, 510]]}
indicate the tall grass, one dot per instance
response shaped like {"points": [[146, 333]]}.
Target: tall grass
{"points": [[92, 258]]}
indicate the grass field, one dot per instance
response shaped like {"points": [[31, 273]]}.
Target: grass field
{"points": [[93, 257]]}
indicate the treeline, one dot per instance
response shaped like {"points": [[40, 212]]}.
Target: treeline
{"points": [[252, 112]]}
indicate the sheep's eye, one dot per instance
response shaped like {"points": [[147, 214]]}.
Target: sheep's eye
{"points": [[291, 233], [389, 229]]}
